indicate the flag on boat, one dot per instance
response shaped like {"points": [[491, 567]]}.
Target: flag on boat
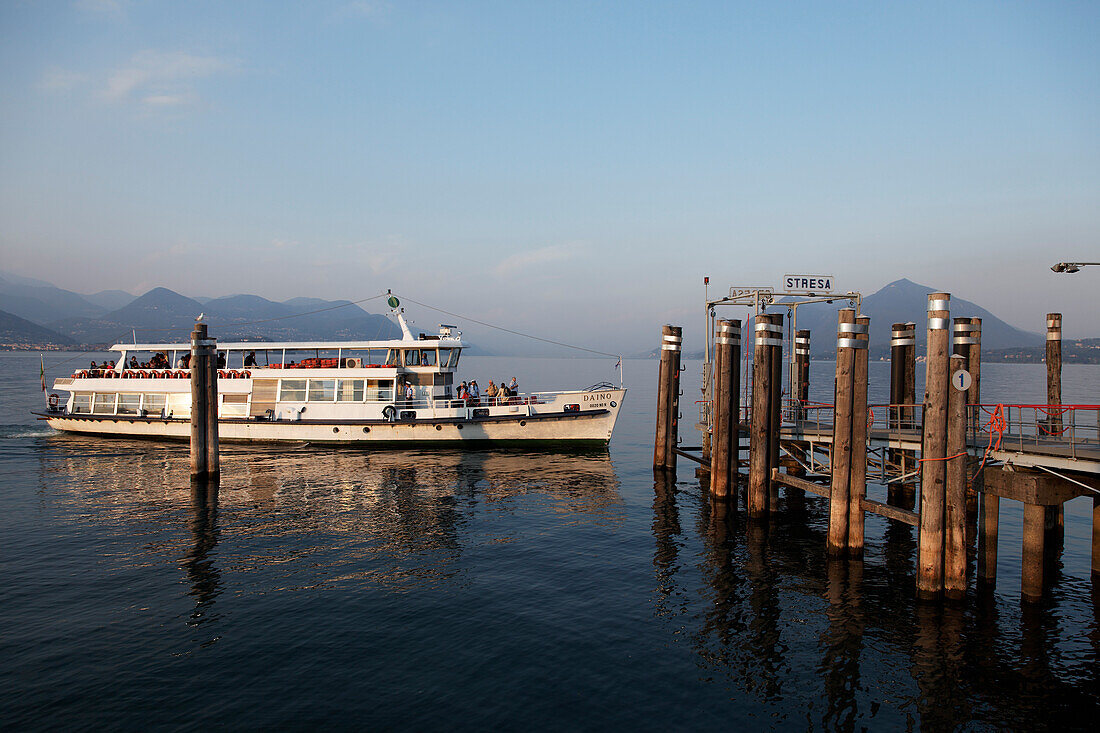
{"points": [[42, 372]]}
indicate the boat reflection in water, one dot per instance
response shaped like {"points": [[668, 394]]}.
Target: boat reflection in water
{"points": [[320, 517], [842, 644]]}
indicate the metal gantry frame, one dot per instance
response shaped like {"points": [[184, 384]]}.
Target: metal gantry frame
{"points": [[758, 299]]}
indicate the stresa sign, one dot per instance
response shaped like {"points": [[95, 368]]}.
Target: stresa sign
{"points": [[808, 283]]}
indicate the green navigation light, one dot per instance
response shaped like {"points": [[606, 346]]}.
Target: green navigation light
{"points": [[393, 301]]}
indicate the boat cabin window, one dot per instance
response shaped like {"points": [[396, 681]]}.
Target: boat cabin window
{"points": [[350, 390], [448, 357], [412, 357], [393, 357], [322, 390], [292, 390], [379, 390], [82, 402], [129, 404], [153, 403], [104, 404], [427, 357]]}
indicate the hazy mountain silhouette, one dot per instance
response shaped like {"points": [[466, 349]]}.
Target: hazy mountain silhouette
{"points": [[906, 301], [162, 315], [39, 302], [110, 299], [16, 330]]}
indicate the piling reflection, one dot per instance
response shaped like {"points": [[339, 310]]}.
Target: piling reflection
{"points": [[202, 573], [777, 619]]}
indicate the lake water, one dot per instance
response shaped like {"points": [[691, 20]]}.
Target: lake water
{"points": [[472, 589]]}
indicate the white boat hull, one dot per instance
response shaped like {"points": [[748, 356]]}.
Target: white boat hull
{"points": [[589, 426]]}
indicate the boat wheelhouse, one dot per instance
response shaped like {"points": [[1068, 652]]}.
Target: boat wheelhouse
{"points": [[400, 391]]}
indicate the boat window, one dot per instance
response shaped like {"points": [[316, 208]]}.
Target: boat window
{"points": [[351, 390], [412, 357], [427, 357], [82, 402], [153, 403], [322, 390], [455, 353], [129, 404], [104, 404], [393, 357], [379, 390], [292, 390], [444, 357]]}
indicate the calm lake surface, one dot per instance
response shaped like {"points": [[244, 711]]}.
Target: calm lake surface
{"points": [[472, 589]]}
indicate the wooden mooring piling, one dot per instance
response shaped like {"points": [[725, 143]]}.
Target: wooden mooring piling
{"points": [[205, 459], [964, 456]]}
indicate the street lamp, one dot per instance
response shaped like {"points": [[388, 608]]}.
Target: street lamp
{"points": [[1068, 267]]}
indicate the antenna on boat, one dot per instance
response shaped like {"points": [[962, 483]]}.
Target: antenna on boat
{"points": [[398, 311]]}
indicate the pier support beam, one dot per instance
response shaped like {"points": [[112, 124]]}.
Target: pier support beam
{"points": [[800, 390], [668, 399], [933, 451], [988, 519], [840, 458], [205, 464], [1034, 537], [767, 342], [725, 412]]}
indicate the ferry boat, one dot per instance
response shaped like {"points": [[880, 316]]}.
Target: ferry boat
{"points": [[348, 392]]}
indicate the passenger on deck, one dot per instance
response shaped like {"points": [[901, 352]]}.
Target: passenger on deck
{"points": [[133, 362], [513, 387], [491, 390], [185, 361], [250, 359], [503, 392], [475, 393], [221, 360], [410, 393]]}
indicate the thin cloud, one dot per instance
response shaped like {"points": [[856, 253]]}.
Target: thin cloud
{"points": [[536, 257], [160, 78]]}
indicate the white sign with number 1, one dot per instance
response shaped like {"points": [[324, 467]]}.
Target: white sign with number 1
{"points": [[961, 380]]}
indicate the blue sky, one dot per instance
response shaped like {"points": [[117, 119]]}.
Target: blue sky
{"points": [[569, 168]]}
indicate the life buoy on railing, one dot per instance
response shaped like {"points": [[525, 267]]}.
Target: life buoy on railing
{"points": [[53, 402], [246, 374]]}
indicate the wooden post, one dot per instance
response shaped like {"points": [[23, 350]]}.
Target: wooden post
{"points": [[974, 415], [199, 403], [668, 399], [954, 560], [988, 519], [840, 455], [801, 388], [775, 406], [759, 421], [857, 472], [213, 459], [1034, 535], [934, 445], [724, 411], [1055, 520], [1054, 370], [900, 337], [1095, 539], [800, 391]]}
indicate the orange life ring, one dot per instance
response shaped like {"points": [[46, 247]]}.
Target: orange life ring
{"points": [[53, 402]]}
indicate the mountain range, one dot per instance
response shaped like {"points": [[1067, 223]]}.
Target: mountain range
{"points": [[35, 311], [904, 301]]}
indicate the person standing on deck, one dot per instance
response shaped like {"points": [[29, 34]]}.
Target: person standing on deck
{"points": [[513, 386], [410, 393], [491, 391]]}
